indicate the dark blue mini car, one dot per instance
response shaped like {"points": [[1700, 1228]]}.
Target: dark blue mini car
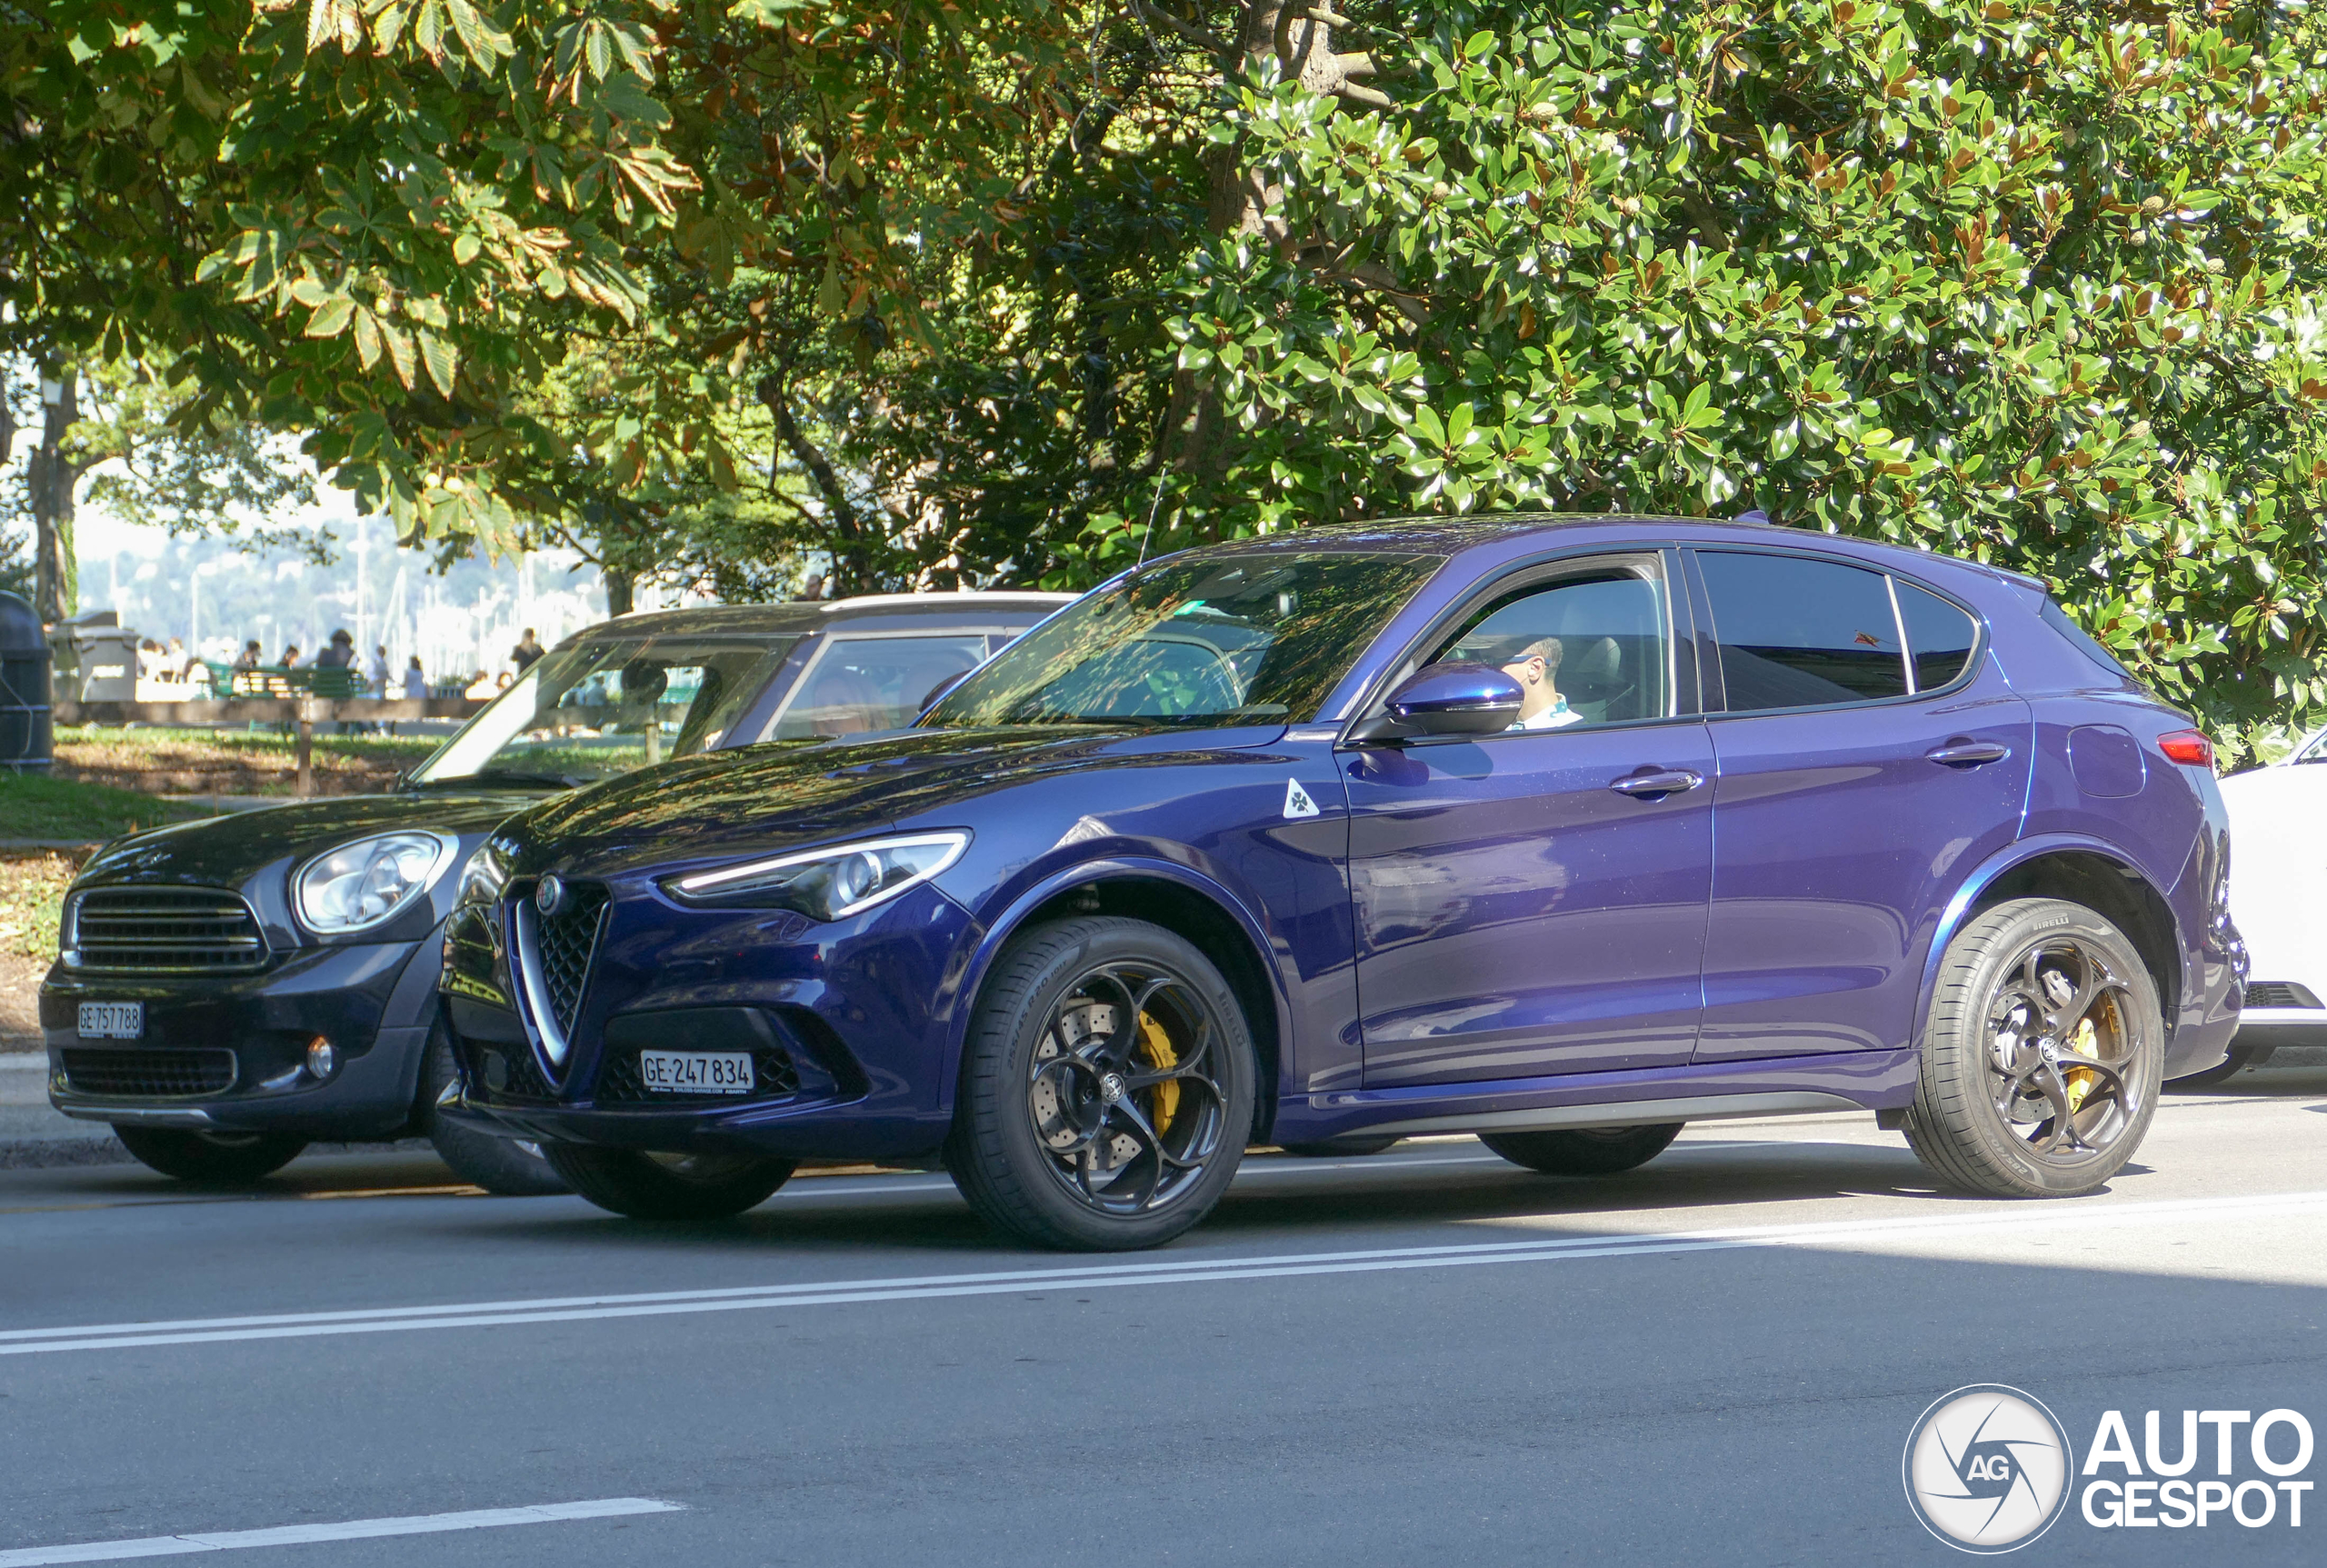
{"points": [[1562, 831]]}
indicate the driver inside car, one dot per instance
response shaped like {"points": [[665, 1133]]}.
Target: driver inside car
{"points": [[1534, 664]]}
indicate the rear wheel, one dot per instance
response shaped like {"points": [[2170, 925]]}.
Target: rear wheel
{"points": [[501, 1165], [1106, 1088], [1585, 1151], [217, 1158], [657, 1186], [2042, 1056]]}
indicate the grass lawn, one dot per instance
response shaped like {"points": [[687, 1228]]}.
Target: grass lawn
{"points": [[32, 806], [231, 762]]}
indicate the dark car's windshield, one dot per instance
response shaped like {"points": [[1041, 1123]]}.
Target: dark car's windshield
{"points": [[599, 708], [1223, 639]]}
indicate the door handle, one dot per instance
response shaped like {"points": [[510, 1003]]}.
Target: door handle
{"points": [[1968, 754], [1653, 786]]}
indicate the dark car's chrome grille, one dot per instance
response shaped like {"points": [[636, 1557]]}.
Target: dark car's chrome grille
{"points": [[164, 930], [2279, 994], [619, 1083], [565, 942], [148, 1074]]}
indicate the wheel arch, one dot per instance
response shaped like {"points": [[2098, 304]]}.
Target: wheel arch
{"points": [[2081, 871], [1223, 927]]}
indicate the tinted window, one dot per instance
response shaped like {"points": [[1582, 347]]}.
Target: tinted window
{"points": [[862, 684], [1798, 634], [1588, 651], [1939, 635], [1218, 639], [2084, 642]]}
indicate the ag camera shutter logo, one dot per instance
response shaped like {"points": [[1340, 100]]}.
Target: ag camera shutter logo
{"points": [[1987, 1468]]}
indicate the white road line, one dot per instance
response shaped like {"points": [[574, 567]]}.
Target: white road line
{"points": [[2081, 1218], [349, 1530]]}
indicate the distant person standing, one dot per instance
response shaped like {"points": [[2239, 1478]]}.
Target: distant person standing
{"points": [[375, 677], [526, 651], [415, 681]]}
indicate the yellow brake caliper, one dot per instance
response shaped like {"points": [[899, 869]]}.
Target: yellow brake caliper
{"points": [[1156, 1046], [2080, 1081]]}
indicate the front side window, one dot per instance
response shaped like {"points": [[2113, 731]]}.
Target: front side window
{"points": [[1590, 649], [1796, 633], [586, 713], [1219, 640], [864, 684]]}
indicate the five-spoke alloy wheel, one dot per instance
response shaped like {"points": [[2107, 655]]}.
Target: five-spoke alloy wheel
{"points": [[1106, 1090], [2041, 1055]]}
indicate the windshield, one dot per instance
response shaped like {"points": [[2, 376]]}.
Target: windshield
{"points": [[604, 707], [1223, 639]]}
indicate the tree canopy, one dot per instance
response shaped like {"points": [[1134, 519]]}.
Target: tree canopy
{"points": [[1005, 290]]}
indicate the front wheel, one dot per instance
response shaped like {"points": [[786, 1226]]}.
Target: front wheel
{"points": [[654, 1186], [1585, 1151], [2041, 1055], [500, 1165], [214, 1158], [1106, 1090]]}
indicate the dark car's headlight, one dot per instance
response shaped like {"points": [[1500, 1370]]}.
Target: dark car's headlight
{"points": [[367, 883], [825, 883]]}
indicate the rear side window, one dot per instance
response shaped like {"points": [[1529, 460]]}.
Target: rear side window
{"points": [[866, 684], [1940, 637], [2084, 642], [1802, 633]]}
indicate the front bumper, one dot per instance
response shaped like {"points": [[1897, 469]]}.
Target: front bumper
{"points": [[848, 1025], [228, 1052]]}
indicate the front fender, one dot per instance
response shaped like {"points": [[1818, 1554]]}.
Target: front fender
{"points": [[1022, 907]]}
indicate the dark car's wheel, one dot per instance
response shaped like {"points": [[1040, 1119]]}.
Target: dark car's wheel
{"points": [[1585, 1151], [2041, 1055], [1344, 1149], [217, 1158], [1106, 1088], [501, 1165], [668, 1186], [2241, 1057]]}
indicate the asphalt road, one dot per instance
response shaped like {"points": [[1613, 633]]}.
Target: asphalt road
{"points": [[1426, 1356]]}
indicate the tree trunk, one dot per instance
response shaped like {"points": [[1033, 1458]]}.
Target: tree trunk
{"points": [[619, 586], [51, 477]]}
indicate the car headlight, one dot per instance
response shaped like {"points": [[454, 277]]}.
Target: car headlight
{"points": [[361, 884], [484, 877], [825, 883]]}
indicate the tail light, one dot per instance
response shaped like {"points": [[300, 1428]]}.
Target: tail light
{"points": [[2189, 748]]}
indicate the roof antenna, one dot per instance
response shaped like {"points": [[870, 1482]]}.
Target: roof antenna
{"points": [[1755, 515], [1149, 532]]}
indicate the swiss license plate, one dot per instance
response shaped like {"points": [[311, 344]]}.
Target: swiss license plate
{"points": [[696, 1071], [111, 1020]]}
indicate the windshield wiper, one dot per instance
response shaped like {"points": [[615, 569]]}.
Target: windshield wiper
{"points": [[539, 781]]}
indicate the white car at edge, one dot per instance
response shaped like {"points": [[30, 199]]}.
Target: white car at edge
{"points": [[2278, 838]]}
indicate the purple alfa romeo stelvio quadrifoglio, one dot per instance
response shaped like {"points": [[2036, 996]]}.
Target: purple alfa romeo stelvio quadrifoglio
{"points": [[1560, 831]]}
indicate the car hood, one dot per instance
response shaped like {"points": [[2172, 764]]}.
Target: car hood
{"points": [[768, 797], [223, 851]]}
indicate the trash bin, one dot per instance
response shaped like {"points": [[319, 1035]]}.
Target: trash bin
{"points": [[25, 742], [103, 655]]}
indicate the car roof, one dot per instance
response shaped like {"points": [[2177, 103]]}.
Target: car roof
{"points": [[1448, 536], [801, 616]]}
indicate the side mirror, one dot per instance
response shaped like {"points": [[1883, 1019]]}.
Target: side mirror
{"points": [[1452, 699]]}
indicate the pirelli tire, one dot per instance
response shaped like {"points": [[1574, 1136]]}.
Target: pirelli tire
{"points": [[1106, 1090], [2042, 1054]]}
